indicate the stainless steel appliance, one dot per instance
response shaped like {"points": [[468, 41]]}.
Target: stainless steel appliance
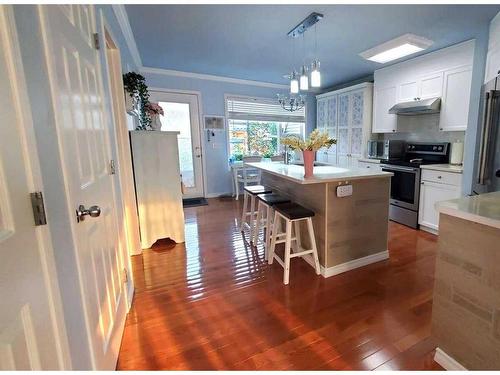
{"points": [[488, 168], [417, 107], [405, 184], [388, 149]]}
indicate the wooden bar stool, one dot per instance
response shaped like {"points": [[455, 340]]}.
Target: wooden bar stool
{"points": [[265, 205], [248, 216], [292, 213]]}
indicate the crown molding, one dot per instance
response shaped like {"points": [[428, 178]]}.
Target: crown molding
{"points": [[123, 21], [210, 77]]}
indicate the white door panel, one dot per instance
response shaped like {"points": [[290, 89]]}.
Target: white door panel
{"points": [[83, 131], [32, 334]]}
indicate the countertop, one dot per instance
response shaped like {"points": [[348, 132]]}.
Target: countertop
{"points": [[444, 167], [368, 160], [483, 209], [322, 173]]}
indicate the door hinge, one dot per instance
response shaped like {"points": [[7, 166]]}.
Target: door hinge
{"points": [[125, 276], [97, 44], [38, 208], [112, 167]]}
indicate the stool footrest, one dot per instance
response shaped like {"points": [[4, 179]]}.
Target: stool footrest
{"points": [[278, 259], [302, 253]]}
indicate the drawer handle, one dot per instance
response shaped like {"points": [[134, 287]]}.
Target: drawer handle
{"points": [[439, 177]]}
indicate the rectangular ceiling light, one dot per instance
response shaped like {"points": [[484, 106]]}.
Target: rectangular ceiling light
{"points": [[396, 48]]}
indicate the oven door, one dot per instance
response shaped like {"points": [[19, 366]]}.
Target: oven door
{"points": [[405, 186]]}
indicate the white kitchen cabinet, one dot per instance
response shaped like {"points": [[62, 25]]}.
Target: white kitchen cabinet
{"points": [[455, 100], [408, 91], [346, 115], [431, 86], [383, 99], [446, 73], [423, 87], [370, 165], [432, 192]]}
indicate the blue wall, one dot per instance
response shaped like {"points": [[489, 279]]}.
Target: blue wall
{"points": [[217, 172]]}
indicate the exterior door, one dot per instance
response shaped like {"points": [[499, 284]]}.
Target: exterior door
{"points": [[83, 132], [31, 325], [182, 114]]}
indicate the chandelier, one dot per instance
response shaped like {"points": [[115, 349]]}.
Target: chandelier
{"points": [[309, 74], [291, 103]]}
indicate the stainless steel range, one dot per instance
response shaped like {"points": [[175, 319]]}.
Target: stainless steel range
{"points": [[405, 184]]}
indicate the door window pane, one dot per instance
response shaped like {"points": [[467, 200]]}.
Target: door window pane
{"points": [[177, 118]]}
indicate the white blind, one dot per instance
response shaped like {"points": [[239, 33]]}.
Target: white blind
{"points": [[258, 109]]}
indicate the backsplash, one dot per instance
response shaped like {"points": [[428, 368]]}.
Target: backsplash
{"points": [[423, 128]]}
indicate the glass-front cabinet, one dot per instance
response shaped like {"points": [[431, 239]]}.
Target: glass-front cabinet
{"points": [[346, 115]]}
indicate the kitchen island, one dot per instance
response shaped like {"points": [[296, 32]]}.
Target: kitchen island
{"points": [[350, 231]]}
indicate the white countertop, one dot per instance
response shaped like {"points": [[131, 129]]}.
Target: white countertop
{"points": [[483, 209], [322, 173], [368, 160], [444, 167]]}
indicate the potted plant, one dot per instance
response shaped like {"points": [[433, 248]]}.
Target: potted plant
{"points": [[154, 110], [137, 95], [316, 140]]}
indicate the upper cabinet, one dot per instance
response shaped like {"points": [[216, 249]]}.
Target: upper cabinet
{"points": [[446, 73], [455, 100], [493, 57], [347, 116], [383, 99]]}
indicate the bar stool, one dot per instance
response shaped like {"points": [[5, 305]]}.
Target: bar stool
{"points": [[292, 213], [265, 205], [247, 217]]}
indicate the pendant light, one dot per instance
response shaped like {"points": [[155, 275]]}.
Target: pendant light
{"points": [[304, 79], [315, 73], [294, 83]]}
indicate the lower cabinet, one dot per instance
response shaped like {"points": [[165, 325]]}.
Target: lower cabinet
{"points": [[370, 165], [433, 191]]}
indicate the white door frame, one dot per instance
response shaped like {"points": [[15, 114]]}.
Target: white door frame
{"points": [[122, 146], [32, 162], [201, 134]]}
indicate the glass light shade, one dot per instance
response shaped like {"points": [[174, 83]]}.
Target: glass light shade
{"points": [[294, 86], [304, 82], [315, 78]]}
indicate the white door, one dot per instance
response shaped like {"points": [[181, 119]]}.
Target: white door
{"points": [[431, 86], [182, 114], [407, 91], [83, 132], [31, 328]]}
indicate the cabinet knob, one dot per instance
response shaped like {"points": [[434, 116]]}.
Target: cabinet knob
{"points": [[393, 130], [440, 128], [439, 177]]}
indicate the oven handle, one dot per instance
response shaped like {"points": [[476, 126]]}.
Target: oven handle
{"points": [[399, 168]]}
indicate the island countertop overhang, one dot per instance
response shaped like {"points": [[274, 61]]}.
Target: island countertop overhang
{"points": [[322, 173]]}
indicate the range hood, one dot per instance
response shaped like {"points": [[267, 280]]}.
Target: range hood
{"points": [[417, 107]]}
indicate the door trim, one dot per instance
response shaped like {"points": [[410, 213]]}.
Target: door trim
{"points": [[201, 134], [26, 129], [118, 121]]}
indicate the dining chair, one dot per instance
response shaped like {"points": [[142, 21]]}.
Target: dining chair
{"points": [[248, 175]]}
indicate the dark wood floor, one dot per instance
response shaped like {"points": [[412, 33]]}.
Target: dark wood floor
{"points": [[213, 303]]}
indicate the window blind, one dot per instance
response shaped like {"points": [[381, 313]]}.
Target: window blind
{"points": [[257, 109]]}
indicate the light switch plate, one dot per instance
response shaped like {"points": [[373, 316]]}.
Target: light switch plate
{"points": [[344, 191]]}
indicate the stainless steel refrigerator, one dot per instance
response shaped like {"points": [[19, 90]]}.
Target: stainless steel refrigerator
{"points": [[487, 176]]}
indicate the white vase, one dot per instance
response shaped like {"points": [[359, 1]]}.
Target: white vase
{"points": [[155, 122]]}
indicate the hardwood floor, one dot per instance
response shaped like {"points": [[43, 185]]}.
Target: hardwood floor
{"points": [[213, 303]]}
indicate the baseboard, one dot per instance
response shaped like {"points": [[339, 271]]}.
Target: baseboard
{"points": [[217, 195], [447, 362], [347, 266], [130, 296]]}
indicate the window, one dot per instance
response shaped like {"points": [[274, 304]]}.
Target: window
{"points": [[257, 125]]}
